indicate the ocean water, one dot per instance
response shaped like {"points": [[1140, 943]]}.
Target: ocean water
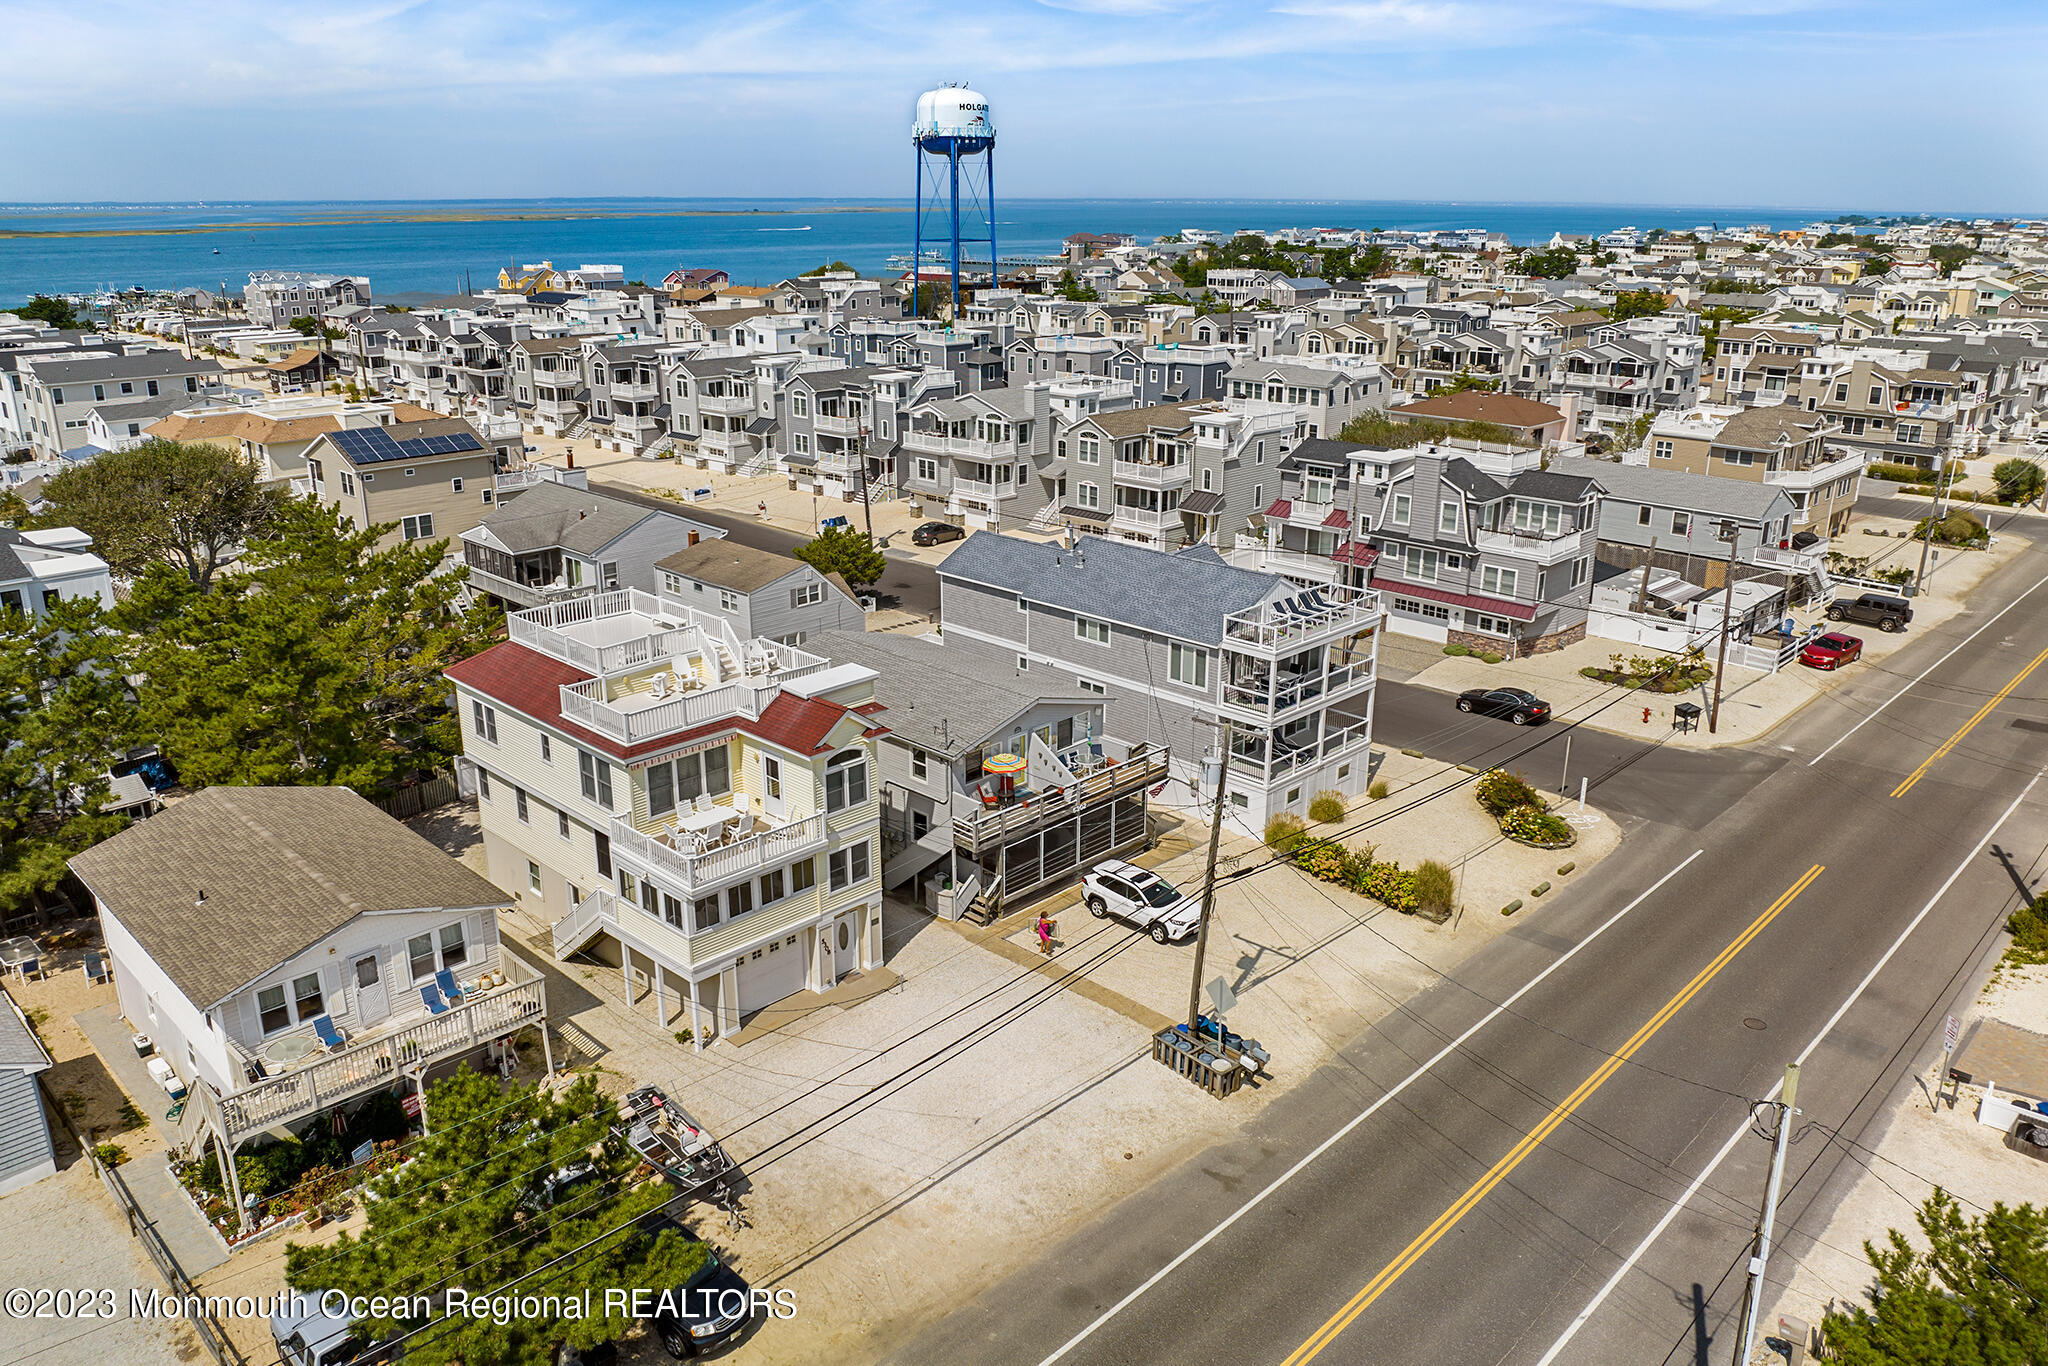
{"points": [[424, 248]]}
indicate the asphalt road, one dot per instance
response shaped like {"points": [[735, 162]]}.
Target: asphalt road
{"points": [[909, 584], [1427, 1203]]}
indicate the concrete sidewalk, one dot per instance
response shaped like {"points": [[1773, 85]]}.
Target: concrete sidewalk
{"points": [[185, 1231]]}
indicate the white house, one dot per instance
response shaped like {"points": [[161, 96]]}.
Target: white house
{"points": [[40, 568], [243, 922]]}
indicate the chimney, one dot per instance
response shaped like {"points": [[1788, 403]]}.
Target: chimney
{"points": [[201, 901]]}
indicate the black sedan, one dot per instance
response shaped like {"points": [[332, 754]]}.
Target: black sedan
{"points": [[1517, 704], [936, 533], [712, 1309]]}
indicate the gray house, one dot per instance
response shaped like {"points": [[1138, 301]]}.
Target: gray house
{"points": [[944, 820], [26, 1151], [1175, 644], [762, 593], [554, 540]]}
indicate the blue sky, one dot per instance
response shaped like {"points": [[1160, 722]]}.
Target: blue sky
{"points": [[1848, 103]]}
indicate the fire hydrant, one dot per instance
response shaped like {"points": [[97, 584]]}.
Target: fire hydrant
{"points": [[1646, 716]]}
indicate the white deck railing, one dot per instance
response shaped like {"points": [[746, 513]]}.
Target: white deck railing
{"points": [[726, 863]]}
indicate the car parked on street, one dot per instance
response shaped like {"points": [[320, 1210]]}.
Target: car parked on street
{"points": [[1882, 610], [1831, 651], [1142, 898], [936, 533], [706, 1312], [1518, 705]]}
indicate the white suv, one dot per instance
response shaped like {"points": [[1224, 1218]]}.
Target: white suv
{"points": [[1147, 900]]}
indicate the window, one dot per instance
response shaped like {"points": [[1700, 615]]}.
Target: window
{"points": [[1498, 581], [562, 824], [1090, 685], [1023, 603], [809, 595], [771, 777], [1681, 524], [1187, 664], [1877, 395], [1447, 517], [533, 875], [596, 775], [1662, 450], [803, 876], [519, 802], [348, 484], [410, 473], [739, 900], [1402, 503], [703, 911], [420, 953], [486, 721], [483, 783], [1088, 496], [1486, 624], [920, 765], [927, 471], [728, 601], [454, 948], [1088, 628], [846, 780], [270, 1005], [1643, 515], [1419, 564], [800, 405], [418, 528], [455, 485], [849, 866], [773, 887], [1087, 450]]}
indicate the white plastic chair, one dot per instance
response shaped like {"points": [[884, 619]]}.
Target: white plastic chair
{"points": [[744, 826]]}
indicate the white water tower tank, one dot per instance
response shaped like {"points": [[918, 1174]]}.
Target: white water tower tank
{"points": [[953, 118]]}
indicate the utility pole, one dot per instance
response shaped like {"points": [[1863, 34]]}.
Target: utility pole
{"points": [[867, 508], [1933, 518], [1643, 587], [1728, 535], [1209, 887], [1760, 1252]]}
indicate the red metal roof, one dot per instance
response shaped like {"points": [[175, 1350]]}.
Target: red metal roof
{"points": [[530, 682], [1338, 518], [1282, 507], [1355, 552], [1517, 610]]}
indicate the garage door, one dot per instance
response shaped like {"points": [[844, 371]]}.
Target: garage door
{"points": [[770, 973]]}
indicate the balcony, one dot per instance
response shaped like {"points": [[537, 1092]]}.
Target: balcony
{"points": [[1154, 474], [840, 424], [676, 863], [603, 633], [732, 404], [1154, 520], [1544, 547], [682, 950], [1102, 774], [1285, 758], [1294, 564], [636, 391], [1308, 618], [982, 490], [373, 1059]]}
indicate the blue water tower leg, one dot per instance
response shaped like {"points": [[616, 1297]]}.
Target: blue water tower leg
{"points": [[995, 271], [953, 158], [917, 227]]}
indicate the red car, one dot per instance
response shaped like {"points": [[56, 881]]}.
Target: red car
{"points": [[1831, 651]]}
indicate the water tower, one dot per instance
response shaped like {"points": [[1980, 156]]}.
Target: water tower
{"points": [[955, 143]]}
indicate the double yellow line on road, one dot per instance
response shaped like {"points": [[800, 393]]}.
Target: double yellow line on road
{"points": [[1394, 1270], [1917, 774]]}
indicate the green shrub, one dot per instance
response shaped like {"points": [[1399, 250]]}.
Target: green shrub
{"points": [[1899, 474], [1323, 860], [1379, 790], [1534, 825], [2018, 480], [110, 1154], [1500, 791], [1434, 889], [1285, 831], [1327, 807], [1489, 658], [1358, 866], [1457, 649], [1391, 884], [2029, 928], [1956, 528]]}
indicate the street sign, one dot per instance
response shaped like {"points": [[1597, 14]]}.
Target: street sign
{"points": [[1221, 996], [1950, 1033]]}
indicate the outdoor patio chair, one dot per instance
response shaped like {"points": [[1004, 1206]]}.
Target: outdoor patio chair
{"points": [[95, 968], [324, 1027], [29, 966], [430, 997], [450, 988], [744, 826]]}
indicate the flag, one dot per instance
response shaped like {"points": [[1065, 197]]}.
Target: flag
{"points": [[411, 1104]]}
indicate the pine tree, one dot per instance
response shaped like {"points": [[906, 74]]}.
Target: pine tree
{"points": [[846, 552], [1972, 1296], [317, 660], [66, 714], [475, 1207]]}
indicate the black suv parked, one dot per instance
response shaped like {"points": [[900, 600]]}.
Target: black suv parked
{"points": [[1884, 612]]}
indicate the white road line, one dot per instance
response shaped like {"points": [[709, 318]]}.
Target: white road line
{"points": [[1690, 1191], [1924, 672], [1163, 1272]]}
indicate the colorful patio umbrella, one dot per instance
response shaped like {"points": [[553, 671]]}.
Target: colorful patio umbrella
{"points": [[1004, 763]]}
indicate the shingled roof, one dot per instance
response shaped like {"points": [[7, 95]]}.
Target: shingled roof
{"points": [[278, 868]]}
